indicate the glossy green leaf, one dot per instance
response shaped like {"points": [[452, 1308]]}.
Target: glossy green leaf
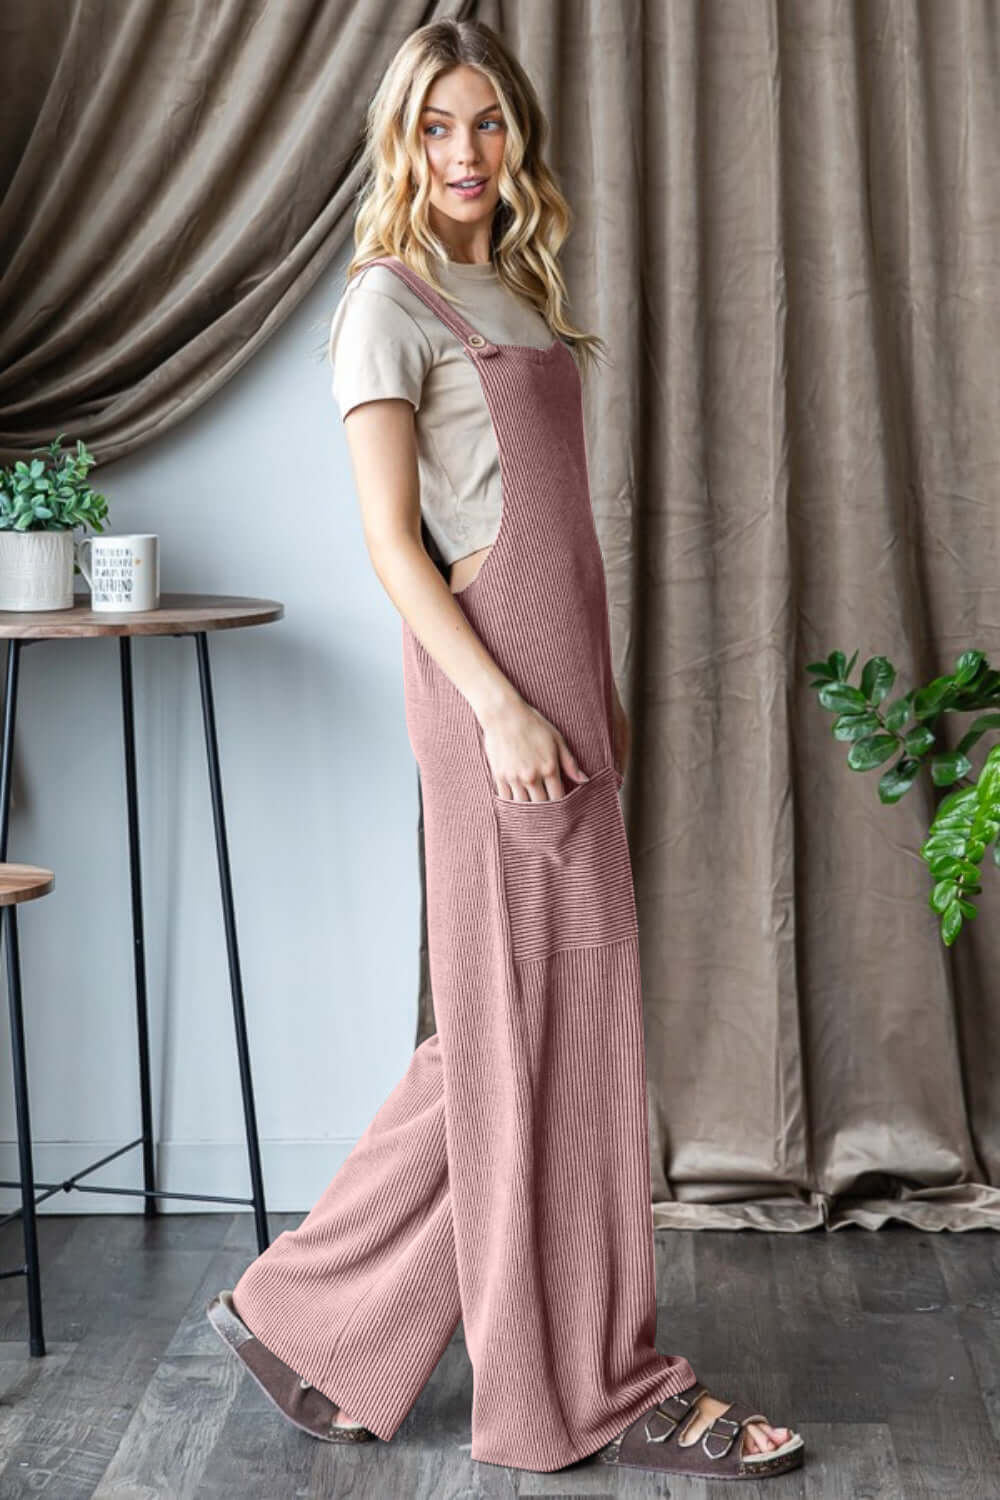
{"points": [[842, 697], [949, 766], [962, 801], [942, 895], [932, 698], [897, 713], [951, 923], [895, 782], [874, 750], [919, 740], [978, 728], [967, 666], [854, 726], [948, 841], [877, 678], [822, 669]]}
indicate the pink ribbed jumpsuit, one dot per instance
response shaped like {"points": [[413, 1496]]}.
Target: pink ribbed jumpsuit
{"points": [[505, 1180]]}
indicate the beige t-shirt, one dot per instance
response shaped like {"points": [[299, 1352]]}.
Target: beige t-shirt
{"points": [[385, 341]]}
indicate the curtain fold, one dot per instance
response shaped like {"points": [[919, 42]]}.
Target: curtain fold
{"points": [[787, 228], [176, 177]]}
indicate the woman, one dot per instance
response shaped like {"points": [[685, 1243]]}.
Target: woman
{"points": [[505, 1181]]}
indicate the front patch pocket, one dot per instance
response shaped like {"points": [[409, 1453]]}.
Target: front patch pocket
{"points": [[567, 874]]}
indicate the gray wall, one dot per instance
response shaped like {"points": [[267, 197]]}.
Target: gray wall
{"points": [[252, 495]]}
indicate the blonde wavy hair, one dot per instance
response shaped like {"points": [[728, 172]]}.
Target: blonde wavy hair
{"points": [[532, 218]]}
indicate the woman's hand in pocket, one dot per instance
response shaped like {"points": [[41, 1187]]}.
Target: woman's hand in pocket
{"points": [[528, 756]]}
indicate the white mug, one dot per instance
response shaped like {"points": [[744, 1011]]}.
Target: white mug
{"points": [[123, 571]]}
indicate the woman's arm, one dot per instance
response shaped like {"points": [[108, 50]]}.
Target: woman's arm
{"points": [[526, 753]]}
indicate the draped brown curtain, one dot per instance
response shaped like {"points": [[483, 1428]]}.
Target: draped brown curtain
{"points": [[787, 227], [176, 174]]}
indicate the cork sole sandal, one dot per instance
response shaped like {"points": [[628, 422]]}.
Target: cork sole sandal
{"points": [[294, 1397], [647, 1444]]}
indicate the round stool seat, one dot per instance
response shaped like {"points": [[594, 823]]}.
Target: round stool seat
{"points": [[23, 883]]}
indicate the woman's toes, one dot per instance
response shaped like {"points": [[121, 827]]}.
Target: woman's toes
{"points": [[765, 1437], [778, 1435]]}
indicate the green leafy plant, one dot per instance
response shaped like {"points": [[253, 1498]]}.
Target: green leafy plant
{"points": [[51, 493], [967, 821]]}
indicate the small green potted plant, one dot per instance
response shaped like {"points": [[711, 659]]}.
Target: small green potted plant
{"points": [[41, 504]]}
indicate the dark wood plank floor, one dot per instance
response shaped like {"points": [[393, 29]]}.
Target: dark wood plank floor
{"points": [[883, 1349]]}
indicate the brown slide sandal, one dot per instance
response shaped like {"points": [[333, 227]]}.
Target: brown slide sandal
{"points": [[715, 1455], [294, 1397]]}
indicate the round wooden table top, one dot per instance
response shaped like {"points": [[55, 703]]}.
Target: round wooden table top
{"points": [[23, 883], [178, 614]]}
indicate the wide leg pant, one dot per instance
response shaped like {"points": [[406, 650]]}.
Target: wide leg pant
{"points": [[363, 1297], [506, 1177]]}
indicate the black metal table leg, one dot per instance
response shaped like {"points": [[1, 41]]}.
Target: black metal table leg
{"points": [[150, 1205], [36, 1339], [29, 1228], [232, 948], [7, 762]]}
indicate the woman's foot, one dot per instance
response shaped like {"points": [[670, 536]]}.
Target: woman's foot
{"points": [[695, 1434], [761, 1436], [292, 1394], [343, 1420]]}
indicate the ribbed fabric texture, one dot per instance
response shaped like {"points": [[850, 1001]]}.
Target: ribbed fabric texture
{"points": [[505, 1181]]}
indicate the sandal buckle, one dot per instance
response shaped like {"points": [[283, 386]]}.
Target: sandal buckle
{"points": [[662, 1436], [666, 1416], [710, 1432]]}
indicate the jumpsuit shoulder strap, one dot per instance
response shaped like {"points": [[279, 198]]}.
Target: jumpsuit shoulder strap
{"points": [[435, 302]]}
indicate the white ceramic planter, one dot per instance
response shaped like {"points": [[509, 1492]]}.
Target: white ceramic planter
{"points": [[36, 570]]}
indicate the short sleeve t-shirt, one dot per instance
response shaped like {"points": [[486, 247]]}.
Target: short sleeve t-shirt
{"points": [[386, 342]]}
